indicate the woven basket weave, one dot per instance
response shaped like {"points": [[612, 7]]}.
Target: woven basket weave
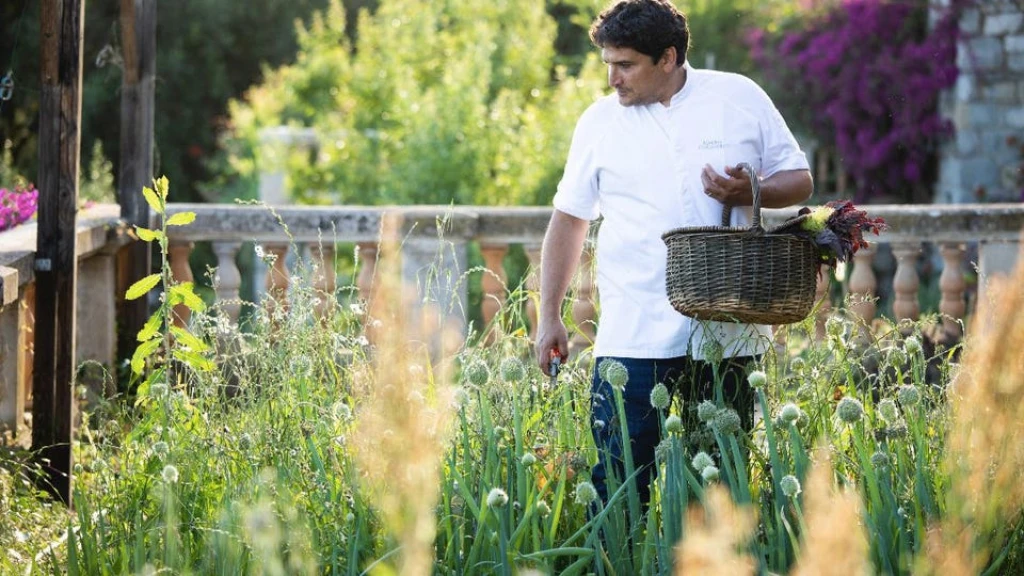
{"points": [[746, 275]]}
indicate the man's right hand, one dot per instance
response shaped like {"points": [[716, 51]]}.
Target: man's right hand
{"points": [[552, 339]]}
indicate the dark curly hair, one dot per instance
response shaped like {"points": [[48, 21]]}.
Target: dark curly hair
{"points": [[647, 26]]}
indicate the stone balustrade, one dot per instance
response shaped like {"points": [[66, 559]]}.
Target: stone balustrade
{"points": [[435, 242]]}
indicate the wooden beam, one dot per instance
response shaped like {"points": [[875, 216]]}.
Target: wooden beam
{"points": [[138, 33], [56, 265]]}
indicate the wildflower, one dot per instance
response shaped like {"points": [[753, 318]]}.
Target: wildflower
{"points": [[757, 379], [701, 461], [512, 370], [790, 413], [709, 474], [528, 459], [543, 510], [170, 474], [585, 493], [616, 374], [850, 410], [912, 345], [880, 460], [674, 424], [908, 395], [497, 498], [887, 410], [798, 364], [726, 421], [659, 396], [706, 411], [790, 485], [477, 373], [160, 449]]}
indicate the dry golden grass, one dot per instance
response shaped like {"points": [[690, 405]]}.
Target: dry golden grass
{"points": [[717, 536], [402, 423]]}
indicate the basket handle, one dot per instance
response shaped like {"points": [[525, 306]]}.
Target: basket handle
{"points": [[755, 187]]}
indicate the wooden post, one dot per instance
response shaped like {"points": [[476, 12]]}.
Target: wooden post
{"points": [[60, 108], [138, 32]]}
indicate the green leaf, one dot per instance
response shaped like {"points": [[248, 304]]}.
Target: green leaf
{"points": [[153, 200], [147, 235], [142, 286], [185, 338], [195, 360], [181, 219], [162, 187], [143, 351], [184, 294], [152, 327]]}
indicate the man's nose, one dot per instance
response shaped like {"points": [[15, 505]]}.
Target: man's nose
{"points": [[613, 78]]}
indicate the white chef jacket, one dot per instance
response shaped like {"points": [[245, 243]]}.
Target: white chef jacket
{"points": [[638, 168]]}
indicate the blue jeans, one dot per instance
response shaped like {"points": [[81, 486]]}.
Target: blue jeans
{"points": [[692, 380]]}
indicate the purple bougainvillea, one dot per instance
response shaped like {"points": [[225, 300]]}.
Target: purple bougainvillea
{"points": [[17, 205], [867, 75]]}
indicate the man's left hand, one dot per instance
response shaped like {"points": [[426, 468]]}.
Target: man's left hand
{"points": [[731, 190]]}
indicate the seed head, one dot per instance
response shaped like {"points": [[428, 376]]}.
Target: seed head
{"points": [[528, 459], [170, 474], [850, 410], [706, 411], [460, 397], [497, 498], [158, 390], [912, 345], [880, 460], [674, 424], [661, 451], [160, 449], [757, 379], [790, 413], [512, 370], [790, 486], [712, 350], [616, 374], [726, 421], [477, 373], [908, 395], [798, 364], [585, 493], [888, 411], [659, 396], [543, 509], [701, 461], [709, 474]]}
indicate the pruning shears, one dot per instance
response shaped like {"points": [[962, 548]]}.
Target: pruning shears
{"points": [[554, 364]]}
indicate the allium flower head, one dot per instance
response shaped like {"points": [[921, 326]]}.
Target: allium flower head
{"points": [[701, 461], [790, 485], [850, 410], [543, 509], [912, 344], [706, 411], [879, 459], [460, 397], [712, 350], [585, 493], [835, 327], [798, 364], [887, 410], [170, 474], [616, 374], [528, 459], [790, 413], [896, 356], [477, 373], [757, 379], [726, 421], [674, 424], [497, 498], [659, 396], [908, 395], [158, 390], [160, 449], [512, 370], [709, 473], [661, 451]]}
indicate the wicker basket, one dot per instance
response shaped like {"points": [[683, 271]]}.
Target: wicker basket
{"points": [[741, 275]]}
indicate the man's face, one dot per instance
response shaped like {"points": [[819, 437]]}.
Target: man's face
{"points": [[635, 77]]}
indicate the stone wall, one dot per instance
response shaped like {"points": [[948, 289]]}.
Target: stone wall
{"points": [[987, 107]]}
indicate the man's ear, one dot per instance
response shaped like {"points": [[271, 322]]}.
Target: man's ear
{"points": [[668, 59]]}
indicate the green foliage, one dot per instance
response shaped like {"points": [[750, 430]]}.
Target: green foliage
{"points": [[435, 103]]}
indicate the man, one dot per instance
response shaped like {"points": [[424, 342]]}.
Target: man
{"points": [[659, 154]]}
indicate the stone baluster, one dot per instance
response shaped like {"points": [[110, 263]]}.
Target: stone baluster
{"points": [[228, 279], [12, 393], [863, 284], [583, 310], [325, 279], [277, 277], [179, 253], [906, 282], [367, 267], [952, 285], [533, 286], [493, 283], [822, 300]]}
